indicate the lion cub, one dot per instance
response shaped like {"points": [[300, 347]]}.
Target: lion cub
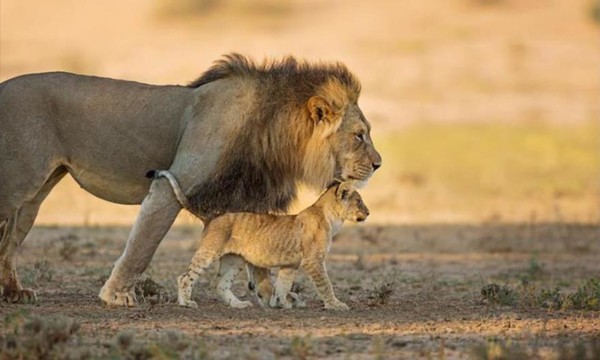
{"points": [[284, 241]]}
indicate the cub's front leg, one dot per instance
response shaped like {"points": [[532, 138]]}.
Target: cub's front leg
{"points": [[315, 268]]}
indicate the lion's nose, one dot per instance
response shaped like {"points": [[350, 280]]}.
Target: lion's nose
{"points": [[376, 166]]}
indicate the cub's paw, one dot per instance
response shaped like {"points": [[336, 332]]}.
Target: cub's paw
{"points": [[237, 304], [188, 303], [337, 306], [296, 300], [280, 302], [263, 293]]}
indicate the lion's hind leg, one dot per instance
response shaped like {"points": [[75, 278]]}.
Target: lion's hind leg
{"points": [[229, 267], [12, 233], [11, 290]]}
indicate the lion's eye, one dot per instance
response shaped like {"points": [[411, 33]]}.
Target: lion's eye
{"points": [[360, 137]]}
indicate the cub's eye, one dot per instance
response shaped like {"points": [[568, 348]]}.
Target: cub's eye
{"points": [[360, 137]]}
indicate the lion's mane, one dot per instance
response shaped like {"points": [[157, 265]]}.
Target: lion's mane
{"points": [[273, 148]]}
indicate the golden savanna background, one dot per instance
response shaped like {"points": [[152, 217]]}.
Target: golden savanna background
{"points": [[484, 234], [482, 109]]}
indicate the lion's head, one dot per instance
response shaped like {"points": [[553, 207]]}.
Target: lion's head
{"points": [[305, 126], [340, 146]]}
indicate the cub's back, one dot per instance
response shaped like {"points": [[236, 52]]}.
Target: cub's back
{"points": [[249, 229], [263, 226]]}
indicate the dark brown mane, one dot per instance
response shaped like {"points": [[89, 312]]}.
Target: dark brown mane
{"points": [[263, 164], [303, 77]]}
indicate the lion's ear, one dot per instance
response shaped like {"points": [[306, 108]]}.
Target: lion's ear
{"points": [[319, 109], [343, 191], [323, 115]]}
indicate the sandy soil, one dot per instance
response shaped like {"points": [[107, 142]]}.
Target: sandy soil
{"points": [[432, 307], [474, 61]]}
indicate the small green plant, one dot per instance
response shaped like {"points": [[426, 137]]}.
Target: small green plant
{"points": [[587, 296], [535, 268], [301, 347], [38, 338], [499, 295], [498, 349], [550, 299], [535, 271], [43, 270], [69, 247], [170, 346], [582, 348], [381, 294], [201, 351]]}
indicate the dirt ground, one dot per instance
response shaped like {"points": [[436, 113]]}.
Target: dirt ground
{"points": [[414, 275], [414, 291]]}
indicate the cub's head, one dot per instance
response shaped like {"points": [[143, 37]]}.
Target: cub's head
{"points": [[349, 204], [340, 146]]}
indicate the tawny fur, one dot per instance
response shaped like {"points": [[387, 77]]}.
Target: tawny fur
{"points": [[284, 241], [238, 139]]}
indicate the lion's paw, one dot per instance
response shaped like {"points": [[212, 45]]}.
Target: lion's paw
{"points": [[22, 296], [118, 298]]}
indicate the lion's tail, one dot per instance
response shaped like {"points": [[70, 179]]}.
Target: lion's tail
{"points": [[155, 174]]}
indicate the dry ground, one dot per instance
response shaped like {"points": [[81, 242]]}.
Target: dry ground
{"points": [[415, 291], [476, 68]]}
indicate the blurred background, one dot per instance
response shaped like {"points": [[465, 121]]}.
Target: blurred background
{"points": [[484, 111]]}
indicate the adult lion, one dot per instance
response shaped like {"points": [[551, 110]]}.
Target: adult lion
{"points": [[239, 138]]}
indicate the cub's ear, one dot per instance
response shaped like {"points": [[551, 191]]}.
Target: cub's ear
{"points": [[326, 119], [344, 191]]}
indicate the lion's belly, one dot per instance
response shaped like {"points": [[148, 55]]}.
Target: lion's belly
{"points": [[117, 174], [114, 132], [113, 189]]}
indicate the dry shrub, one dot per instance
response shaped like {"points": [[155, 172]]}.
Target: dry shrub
{"points": [[38, 337], [381, 294]]}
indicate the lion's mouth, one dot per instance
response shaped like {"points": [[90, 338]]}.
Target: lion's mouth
{"points": [[358, 183], [360, 174], [358, 178]]}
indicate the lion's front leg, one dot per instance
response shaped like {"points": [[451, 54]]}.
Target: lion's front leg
{"points": [[159, 210]]}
